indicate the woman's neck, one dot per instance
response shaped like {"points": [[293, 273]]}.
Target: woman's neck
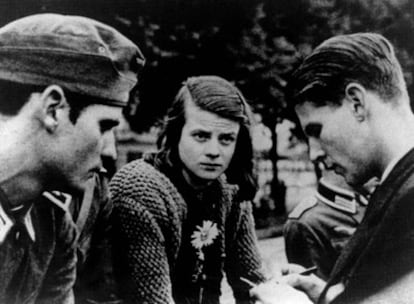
{"points": [[194, 181]]}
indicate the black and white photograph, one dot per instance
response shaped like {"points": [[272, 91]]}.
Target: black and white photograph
{"points": [[206, 152]]}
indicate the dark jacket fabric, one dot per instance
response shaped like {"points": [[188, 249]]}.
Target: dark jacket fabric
{"points": [[94, 280], [377, 266], [155, 217], [42, 270]]}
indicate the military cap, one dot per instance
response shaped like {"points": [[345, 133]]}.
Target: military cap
{"points": [[80, 54]]}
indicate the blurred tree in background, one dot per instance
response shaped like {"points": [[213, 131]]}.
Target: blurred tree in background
{"points": [[254, 43]]}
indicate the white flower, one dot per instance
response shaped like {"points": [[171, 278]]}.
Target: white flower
{"points": [[204, 235]]}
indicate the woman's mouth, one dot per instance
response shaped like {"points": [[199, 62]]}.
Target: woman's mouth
{"points": [[210, 166]]}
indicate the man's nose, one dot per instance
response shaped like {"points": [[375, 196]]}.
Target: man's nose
{"points": [[315, 150], [109, 146]]}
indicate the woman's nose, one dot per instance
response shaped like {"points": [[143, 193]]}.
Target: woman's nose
{"points": [[212, 149]]}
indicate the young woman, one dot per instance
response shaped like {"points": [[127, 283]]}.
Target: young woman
{"points": [[182, 216]]}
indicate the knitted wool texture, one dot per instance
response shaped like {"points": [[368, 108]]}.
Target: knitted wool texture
{"points": [[148, 216]]}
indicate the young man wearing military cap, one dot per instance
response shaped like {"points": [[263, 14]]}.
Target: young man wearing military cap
{"points": [[63, 82]]}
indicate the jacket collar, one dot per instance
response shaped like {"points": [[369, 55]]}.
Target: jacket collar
{"points": [[7, 221], [392, 164]]}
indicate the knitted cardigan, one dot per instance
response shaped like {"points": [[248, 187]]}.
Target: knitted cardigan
{"points": [[148, 218]]}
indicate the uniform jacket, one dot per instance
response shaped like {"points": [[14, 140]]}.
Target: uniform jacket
{"points": [[94, 268], [377, 265], [38, 260], [310, 235], [150, 220]]}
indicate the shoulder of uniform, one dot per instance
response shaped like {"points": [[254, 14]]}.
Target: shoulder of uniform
{"points": [[303, 206]]}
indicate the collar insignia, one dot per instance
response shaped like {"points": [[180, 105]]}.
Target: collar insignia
{"points": [[339, 198], [6, 223]]}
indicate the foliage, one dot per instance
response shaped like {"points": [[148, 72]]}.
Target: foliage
{"points": [[255, 43]]}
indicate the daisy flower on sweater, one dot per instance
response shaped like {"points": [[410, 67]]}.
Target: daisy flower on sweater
{"points": [[204, 235]]}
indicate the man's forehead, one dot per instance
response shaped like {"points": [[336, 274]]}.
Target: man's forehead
{"points": [[305, 105], [310, 109], [105, 112], [306, 110], [312, 118], [105, 108]]}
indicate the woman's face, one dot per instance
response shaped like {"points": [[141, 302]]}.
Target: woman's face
{"points": [[206, 145]]}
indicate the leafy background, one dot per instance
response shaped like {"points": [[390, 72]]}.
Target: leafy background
{"points": [[254, 43]]}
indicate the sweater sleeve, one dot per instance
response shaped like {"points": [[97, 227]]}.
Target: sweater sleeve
{"points": [[140, 253], [147, 216], [243, 257]]}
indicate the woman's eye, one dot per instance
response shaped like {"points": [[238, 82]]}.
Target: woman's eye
{"points": [[200, 137], [227, 140]]}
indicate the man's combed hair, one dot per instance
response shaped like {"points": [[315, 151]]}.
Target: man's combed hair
{"points": [[218, 96], [364, 58]]}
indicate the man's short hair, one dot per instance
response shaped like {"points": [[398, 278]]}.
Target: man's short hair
{"points": [[81, 55], [364, 58], [16, 95]]}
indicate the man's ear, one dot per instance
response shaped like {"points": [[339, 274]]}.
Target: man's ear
{"points": [[53, 101], [356, 99]]}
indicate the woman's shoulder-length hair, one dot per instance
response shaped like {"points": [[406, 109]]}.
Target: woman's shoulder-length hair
{"points": [[217, 95]]}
